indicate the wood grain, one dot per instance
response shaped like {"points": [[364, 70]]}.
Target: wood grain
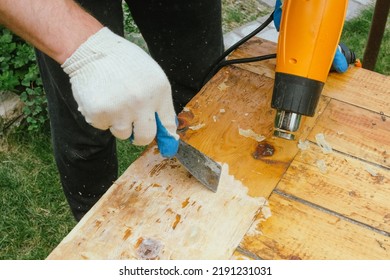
{"points": [[356, 132], [238, 99], [298, 231], [360, 87], [353, 188], [156, 210]]}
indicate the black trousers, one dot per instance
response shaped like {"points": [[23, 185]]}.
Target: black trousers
{"points": [[184, 37]]}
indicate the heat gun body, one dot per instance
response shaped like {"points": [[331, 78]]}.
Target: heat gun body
{"points": [[308, 38]]}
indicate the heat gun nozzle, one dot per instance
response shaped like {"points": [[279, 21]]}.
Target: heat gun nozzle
{"points": [[286, 123]]}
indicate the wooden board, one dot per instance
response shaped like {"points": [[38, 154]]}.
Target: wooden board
{"points": [[156, 210], [299, 231]]}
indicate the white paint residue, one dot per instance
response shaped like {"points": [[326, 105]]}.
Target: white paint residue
{"points": [[254, 229], [186, 109], [197, 127], [371, 170], [251, 134], [266, 210], [223, 86], [303, 145], [222, 111], [215, 118], [321, 142], [321, 165], [190, 221], [225, 185]]}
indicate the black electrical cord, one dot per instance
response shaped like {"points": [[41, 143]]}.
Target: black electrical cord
{"points": [[221, 62], [243, 60]]}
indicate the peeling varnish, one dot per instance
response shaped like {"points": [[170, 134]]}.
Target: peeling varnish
{"points": [[196, 127], [249, 133], [323, 144]]}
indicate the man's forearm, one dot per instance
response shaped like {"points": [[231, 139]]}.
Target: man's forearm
{"points": [[56, 27]]}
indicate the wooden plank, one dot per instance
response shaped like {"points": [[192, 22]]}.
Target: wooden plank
{"points": [[362, 88], [353, 188], [356, 132], [237, 99], [257, 47], [299, 231], [156, 210], [244, 98], [237, 255]]}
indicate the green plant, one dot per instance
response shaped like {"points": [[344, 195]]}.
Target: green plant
{"points": [[129, 24], [19, 73]]}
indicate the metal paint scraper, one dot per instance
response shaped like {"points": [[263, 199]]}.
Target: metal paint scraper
{"points": [[203, 168]]}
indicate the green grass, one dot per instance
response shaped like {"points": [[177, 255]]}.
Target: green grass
{"points": [[34, 214], [237, 13], [355, 34]]}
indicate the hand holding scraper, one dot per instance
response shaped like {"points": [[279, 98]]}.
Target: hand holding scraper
{"points": [[203, 168]]}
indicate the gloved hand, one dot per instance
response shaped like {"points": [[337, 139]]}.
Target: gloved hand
{"points": [[118, 86], [339, 63]]}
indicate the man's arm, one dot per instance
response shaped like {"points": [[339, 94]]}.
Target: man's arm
{"points": [[56, 27], [121, 89]]}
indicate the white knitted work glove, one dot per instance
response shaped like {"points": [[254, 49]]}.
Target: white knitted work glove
{"points": [[118, 86]]}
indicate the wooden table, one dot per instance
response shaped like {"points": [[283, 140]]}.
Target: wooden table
{"points": [[299, 203]]}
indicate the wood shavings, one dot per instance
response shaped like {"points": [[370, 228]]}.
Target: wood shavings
{"points": [[321, 165], [321, 142], [251, 134], [303, 145], [197, 127]]}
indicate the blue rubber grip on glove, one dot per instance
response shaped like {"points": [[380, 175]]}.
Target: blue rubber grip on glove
{"points": [[167, 144], [339, 64]]}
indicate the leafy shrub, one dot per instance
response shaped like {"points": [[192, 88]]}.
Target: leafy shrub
{"points": [[19, 73]]}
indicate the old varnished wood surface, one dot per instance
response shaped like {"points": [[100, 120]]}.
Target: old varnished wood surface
{"points": [[342, 211]]}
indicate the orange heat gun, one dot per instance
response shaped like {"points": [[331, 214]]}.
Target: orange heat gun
{"points": [[309, 34]]}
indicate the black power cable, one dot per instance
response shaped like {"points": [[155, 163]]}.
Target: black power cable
{"points": [[221, 62]]}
